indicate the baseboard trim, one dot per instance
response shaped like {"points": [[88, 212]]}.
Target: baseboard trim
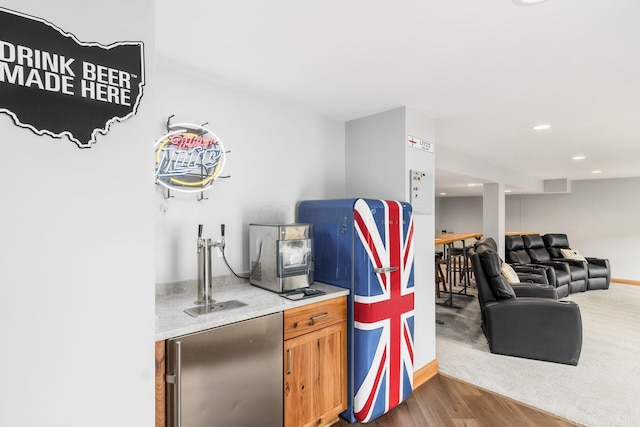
{"points": [[625, 281], [425, 373]]}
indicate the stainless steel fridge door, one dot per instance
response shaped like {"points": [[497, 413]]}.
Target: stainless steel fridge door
{"points": [[227, 376]]}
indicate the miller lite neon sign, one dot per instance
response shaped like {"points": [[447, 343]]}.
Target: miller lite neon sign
{"points": [[188, 158]]}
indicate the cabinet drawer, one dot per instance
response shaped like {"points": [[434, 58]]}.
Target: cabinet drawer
{"points": [[314, 316]]}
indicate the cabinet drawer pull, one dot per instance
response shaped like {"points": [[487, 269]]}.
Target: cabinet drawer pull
{"points": [[312, 320], [288, 361]]}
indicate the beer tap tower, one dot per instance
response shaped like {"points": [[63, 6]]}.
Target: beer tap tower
{"points": [[205, 273]]}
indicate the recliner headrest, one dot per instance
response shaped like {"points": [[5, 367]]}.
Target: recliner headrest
{"points": [[513, 243], [491, 263], [488, 242], [556, 240], [533, 241], [491, 266], [482, 248]]}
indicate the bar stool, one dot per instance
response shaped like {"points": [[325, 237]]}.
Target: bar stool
{"points": [[467, 270], [468, 266], [461, 266], [456, 265], [440, 277]]}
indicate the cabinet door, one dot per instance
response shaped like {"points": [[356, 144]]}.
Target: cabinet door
{"points": [[315, 375]]}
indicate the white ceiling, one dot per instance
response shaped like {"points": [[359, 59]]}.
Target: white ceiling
{"points": [[485, 70]]}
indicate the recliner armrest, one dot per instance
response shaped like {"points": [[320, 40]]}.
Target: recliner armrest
{"points": [[563, 266], [598, 261], [526, 268], [525, 290], [533, 278], [535, 328], [575, 262], [548, 271]]}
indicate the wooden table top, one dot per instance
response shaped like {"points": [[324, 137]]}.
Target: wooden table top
{"points": [[443, 239]]}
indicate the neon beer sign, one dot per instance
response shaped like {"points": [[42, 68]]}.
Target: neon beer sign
{"points": [[188, 158]]}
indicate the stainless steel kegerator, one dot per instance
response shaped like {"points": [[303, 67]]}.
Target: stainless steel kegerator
{"points": [[366, 246], [227, 376]]}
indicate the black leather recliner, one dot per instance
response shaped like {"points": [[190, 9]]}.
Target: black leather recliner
{"points": [[539, 274], [525, 320], [538, 252], [599, 270], [558, 273]]}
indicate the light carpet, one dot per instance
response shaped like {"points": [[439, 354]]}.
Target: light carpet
{"points": [[602, 390]]}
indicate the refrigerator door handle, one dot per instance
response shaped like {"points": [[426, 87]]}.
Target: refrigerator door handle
{"points": [[175, 379], [384, 269]]}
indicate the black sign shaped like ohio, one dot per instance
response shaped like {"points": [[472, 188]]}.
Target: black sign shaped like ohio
{"points": [[54, 84]]}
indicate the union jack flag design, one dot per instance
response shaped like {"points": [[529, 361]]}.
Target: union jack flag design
{"points": [[383, 308]]}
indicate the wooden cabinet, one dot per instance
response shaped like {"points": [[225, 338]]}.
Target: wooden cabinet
{"points": [[315, 363]]}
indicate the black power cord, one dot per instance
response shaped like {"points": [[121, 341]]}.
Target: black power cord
{"points": [[224, 255]]}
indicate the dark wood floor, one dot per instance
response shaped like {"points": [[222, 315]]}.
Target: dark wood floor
{"points": [[445, 401]]}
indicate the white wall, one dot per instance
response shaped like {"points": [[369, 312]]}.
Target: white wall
{"points": [[422, 127], [375, 153], [599, 217], [77, 264], [280, 154], [459, 214]]}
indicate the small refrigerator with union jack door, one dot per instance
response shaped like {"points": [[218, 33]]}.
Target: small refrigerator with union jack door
{"points": [[366, 246]]}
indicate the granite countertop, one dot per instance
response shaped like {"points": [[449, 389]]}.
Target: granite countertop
{"points": [[173, 298]]}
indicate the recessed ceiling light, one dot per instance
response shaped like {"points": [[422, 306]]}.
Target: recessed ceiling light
{"points": [[596, 171], [541, 127], [472, 184], [443, 194], [527, 2], [578, 158], [507, 191]]}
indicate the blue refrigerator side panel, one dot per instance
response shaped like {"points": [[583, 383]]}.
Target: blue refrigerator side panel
{"points": [[333, 255], [332, 239], [366, 246]]}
